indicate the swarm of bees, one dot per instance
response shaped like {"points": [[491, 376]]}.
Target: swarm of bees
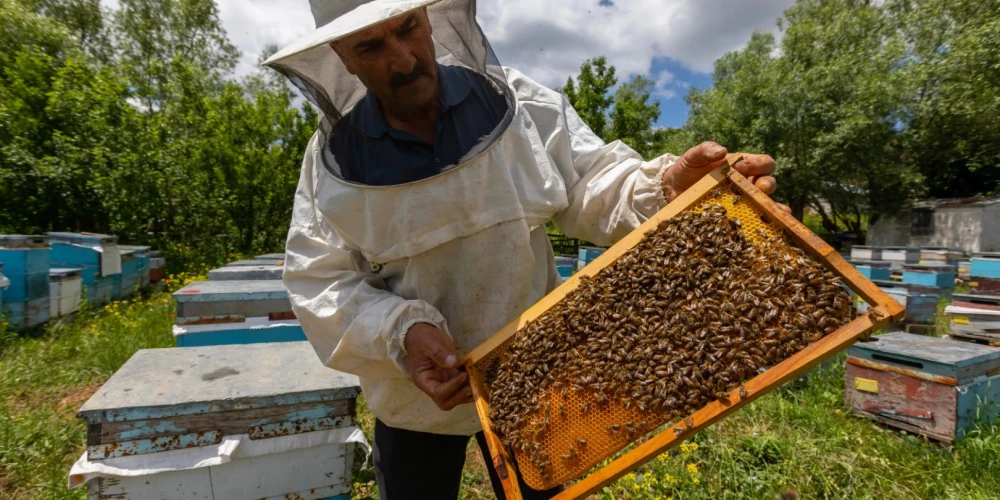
{"points": [[682, 319]]}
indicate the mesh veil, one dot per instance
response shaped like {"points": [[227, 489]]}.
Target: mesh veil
{"points": [[321, 76]]}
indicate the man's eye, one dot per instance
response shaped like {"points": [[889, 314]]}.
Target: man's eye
{"points": [[407, 30]]}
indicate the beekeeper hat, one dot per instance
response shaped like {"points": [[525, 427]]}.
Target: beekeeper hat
{"points": [[313, 66]]}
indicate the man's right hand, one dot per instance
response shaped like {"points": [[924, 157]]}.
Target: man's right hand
{"points": [[434, 366]]}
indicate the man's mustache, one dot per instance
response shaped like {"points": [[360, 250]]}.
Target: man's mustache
{"points": [[400, 79]]}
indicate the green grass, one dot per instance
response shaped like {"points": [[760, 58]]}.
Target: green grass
{"points": [[797, 439]]}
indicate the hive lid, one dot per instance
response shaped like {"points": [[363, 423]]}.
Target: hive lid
{"points": [[256, 262], [958, 361], [986, 255], [219, 291], [18, 241], [984, 300], [942, 268], [84, 238], [897, 249], [876, 264], [256, 273], [65, 272], [270, 256], [158, 383], [136, 248]]}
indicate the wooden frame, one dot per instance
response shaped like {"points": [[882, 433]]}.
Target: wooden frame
{"points": [[883, 309]]}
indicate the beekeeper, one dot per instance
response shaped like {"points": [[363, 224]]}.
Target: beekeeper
{"points": [[418, 226]]}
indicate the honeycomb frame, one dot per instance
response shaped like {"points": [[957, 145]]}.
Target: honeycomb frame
{"points": [[756, 211]]}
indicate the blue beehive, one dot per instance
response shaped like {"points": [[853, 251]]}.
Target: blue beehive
{"points": [[128, 281], [930, 386], [874, 269], [4, 283], [142, 261], [97, 255], [587, 255], [937, 275], [191, 402], [234, 312], [26, 265], [900, 256], [920, 301], [985, 265], [565, 267]]}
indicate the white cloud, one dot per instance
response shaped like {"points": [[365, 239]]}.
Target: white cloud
{"points": [[549, 39]]}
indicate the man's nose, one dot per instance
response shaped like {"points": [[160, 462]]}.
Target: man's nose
{"points": [[401, 58]]}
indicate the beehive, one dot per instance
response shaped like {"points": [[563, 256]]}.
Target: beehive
{"points": [[760, 221]]}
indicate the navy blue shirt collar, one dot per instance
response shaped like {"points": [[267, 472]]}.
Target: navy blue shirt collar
{"points": [[454, 90]]}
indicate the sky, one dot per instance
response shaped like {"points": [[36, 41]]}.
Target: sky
{"points": [[673, 42]]}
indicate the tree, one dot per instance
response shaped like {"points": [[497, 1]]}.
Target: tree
{"points": [[590, 93]]}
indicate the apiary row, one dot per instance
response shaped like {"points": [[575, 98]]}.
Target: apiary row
{"points": [[242, 407], [49, 277]]}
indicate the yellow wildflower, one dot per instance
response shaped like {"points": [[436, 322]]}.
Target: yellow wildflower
{"points": [[692, 468]]}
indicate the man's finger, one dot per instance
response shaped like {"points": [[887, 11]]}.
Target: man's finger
{"points": [[462, 396], [704, 154], [766, 184], [785, 208], [446, 389], [756, 165]]}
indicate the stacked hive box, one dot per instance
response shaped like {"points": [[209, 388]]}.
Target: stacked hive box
{"points": [[941, 255], [157, 266], [565, 266], [900, 256], [97, 255], [984, 272], [874, 269], [65, 291], [920, 301], [142, 261], [975, 317], [587, 255], [128, 281], [246, 273], [26, 262], [934, 387], [260, 421], [234, 312], [865, 253], [937, 275]]}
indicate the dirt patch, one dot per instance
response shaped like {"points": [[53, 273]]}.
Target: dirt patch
{"points": [[76, 397]]}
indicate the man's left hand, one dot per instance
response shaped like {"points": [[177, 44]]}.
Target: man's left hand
{"points": [[705, 157]]}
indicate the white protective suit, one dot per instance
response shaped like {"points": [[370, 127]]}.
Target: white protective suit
{"points": [[464, 250]]}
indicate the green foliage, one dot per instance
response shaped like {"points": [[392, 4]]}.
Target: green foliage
{"points": [[628, 109], [864, 105], [128, 122]]}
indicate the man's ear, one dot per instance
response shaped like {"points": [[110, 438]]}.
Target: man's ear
{"points": [[346, 60]]}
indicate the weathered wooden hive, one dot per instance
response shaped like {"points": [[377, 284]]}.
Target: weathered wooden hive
{"points": [[717, 299], [929, 386], [285, 422]]}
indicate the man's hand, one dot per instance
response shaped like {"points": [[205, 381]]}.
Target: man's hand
{"points": [[433, 364], [703, 158]]}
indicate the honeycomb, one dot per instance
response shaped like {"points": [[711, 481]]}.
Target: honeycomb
{"points": [[575, 424]]}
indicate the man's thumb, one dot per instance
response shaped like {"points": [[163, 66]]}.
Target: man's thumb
{"points": [[703, 154]]}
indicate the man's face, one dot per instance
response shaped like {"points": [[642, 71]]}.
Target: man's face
{"points": [[395, 60]]}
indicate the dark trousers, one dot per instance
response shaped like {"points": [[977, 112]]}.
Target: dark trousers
{"points": [[420, 465]]}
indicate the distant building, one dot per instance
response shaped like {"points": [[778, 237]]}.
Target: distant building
{"points": [[972, 224]]}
